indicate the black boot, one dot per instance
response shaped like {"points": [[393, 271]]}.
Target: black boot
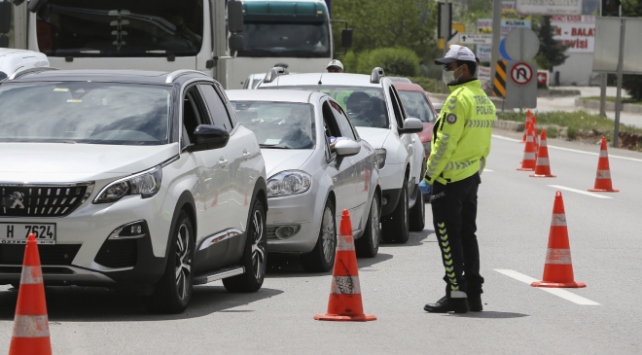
{"points": [[445, 305], [475, 303]]}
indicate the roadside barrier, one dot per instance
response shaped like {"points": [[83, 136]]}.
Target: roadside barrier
{"points": [[528, 163], [345, 302], [558, 269], [542, 167], [31, 324], [603, 181]]}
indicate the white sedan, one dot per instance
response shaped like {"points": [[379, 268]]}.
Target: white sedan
{"points": [[317, 166]]}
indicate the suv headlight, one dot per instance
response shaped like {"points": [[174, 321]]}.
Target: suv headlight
{"points": [[146, 184], [288, 183], [381, 157]]}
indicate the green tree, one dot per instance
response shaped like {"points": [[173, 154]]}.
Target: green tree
{"points": [[552, 52], [632, 83], [388, 23]]}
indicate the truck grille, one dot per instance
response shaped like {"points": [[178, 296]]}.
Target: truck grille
{"points": [[40, 200]]}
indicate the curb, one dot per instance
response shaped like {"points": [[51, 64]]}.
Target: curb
{"points": [[509, 125], [610, 106]]}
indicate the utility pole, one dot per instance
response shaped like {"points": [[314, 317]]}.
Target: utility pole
{"points": [[446, 16]]}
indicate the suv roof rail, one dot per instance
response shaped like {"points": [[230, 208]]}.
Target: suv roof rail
{"points": [[22, 73], [177, 73], [274, 73], [376, 75]]}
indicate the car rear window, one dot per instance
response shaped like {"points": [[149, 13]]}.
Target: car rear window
{"points": [[416, 105]]}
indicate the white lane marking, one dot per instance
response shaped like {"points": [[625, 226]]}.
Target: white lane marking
{"points": [[573, 150], [554, 291], [490, 171], [592, 194]]}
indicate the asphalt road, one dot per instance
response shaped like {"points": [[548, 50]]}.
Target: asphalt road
{"points": [[513, 229]]}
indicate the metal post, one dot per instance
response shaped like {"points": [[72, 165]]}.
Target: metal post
{"points": [[618, 98], [497, 35], [603, 78]]}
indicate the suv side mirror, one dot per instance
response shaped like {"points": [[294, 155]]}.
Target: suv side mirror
{"points": [[236, 42], [411, 125], [209, 137]]}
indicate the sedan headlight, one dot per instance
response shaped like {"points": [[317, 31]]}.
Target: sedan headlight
{"points": [[288, 183], [381, 157], [145, 184]]}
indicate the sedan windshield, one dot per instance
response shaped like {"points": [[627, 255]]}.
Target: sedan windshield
{"points": [[417, 105], [288, 125], [82, 112], [365, 106]]}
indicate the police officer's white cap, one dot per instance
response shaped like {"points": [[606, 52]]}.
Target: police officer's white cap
{"points": [[457, 52], [335, 63]]}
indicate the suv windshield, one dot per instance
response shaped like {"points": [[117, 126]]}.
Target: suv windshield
{"points": [[416, 105], [278, 124], [82, 112], [120, 28], [365, 106]]}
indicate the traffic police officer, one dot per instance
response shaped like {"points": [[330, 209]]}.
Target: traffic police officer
{"points": [[459, 150]]}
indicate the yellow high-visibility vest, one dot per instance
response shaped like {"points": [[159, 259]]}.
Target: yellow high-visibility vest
{"points": [[462, 133]]}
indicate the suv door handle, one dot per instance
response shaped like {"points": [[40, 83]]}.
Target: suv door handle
{"points": [[222, 162], [246, 154]]}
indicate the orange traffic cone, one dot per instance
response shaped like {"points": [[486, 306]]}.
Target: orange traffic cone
{"points": [[528, 163], [542, 167], [345, 294], [31, 325], [558, 270], [526, 123], [603, 181]]}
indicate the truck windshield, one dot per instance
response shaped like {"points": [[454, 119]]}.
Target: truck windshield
{"points": [[286, 40], [120, 28]]}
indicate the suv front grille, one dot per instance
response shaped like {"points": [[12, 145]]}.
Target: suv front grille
{"points": [[41, 200]]}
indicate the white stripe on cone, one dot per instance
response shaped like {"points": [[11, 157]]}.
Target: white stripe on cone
{"points": [[31, 275], [603, 174], [542, 161], [30, 326], [345, 243], [559, 220], [345, 285], [558, 256]]}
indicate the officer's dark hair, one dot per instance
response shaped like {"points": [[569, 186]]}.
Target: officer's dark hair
{"points": [[472, 66]]}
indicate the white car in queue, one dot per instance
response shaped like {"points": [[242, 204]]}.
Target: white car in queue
{"points": [[129, 179], [317, 166], [374, 107]]}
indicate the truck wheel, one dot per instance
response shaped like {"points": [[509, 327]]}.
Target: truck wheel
{"points": [[368, 245], [174, 290], [418, 214], [254, 257], [321, 258], [395, 227]]}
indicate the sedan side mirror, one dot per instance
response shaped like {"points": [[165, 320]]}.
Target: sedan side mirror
{"points": [[347, 147], [411, 125], [210, 137]]}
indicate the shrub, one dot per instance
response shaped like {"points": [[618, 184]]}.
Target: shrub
{"points": [[571, 132], [350, 61], [552, 132], [395, 61]]}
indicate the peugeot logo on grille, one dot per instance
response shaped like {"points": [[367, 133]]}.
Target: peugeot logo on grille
{"points": [[14, 200]]}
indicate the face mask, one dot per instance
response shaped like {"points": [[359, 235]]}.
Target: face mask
{"points": [[449, 77]]}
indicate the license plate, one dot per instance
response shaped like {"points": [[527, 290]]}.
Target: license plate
{"points": [[17, 233]]}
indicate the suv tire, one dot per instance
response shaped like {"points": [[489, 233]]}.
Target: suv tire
{"points": [[395, 227], [254, 257]]}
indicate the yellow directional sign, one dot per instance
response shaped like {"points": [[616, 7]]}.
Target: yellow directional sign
{"points": [[459, 27]]}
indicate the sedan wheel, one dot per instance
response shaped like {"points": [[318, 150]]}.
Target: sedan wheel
{"points": [[368, 245], [321, 258]]}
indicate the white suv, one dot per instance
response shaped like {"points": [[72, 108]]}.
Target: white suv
{"points": [[130, 178], [374, 107]]}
